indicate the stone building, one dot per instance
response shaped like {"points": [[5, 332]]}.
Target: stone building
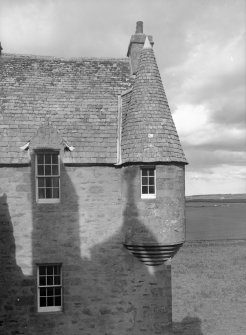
{"points": [[91, 194]]}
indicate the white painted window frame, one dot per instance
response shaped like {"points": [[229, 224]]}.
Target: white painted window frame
{"points": [[47, 200], [49, 309], [148, 195]]}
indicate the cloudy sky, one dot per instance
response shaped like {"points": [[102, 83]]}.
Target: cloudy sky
{"points": [[200, 50]]}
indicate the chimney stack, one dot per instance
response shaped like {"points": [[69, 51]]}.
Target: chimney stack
{"points": [[139, 27], [136, 45]]}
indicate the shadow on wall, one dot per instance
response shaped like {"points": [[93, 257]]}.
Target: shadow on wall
{"points": [[110, 293], [16, 290], [127, 296], [188, 326]]}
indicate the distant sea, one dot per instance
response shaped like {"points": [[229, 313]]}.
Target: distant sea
{"points": [[211, 220]]}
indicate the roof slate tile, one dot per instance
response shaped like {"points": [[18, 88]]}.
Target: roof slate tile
{"points": [[148, 130], [80, 96]]}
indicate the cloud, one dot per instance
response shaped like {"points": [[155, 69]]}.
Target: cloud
{"points": [[26, 26], [223, 179], [73, 28], [203, 160], [213, 73], [213, 150], [210, 71], [197, 128], [229, 109]]}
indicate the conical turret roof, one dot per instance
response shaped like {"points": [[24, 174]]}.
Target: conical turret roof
{"points": [[148, 130]]}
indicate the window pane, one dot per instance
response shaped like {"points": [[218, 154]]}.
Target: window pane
{"points": [[144, 172], [151, 180], [50, 291], [42, 280], [50, 270], [48, 193], [145, 180], [42, 302], [40, 182], [40, 170], [50, 301], [56, 269], [54, 169], [57, 280], [42, 270], [42, 292], [40, 159], [48, 182], [57, 291], [151, 172], [47, 170], [55, 159], [152, 189], [55, 182], [57, 301], [55, 193], [144, 189], [41, 193], [50, 280], [47, 158]]}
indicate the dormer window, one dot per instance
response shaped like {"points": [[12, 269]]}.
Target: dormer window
{"points": [[47, 177], [148, 183]]}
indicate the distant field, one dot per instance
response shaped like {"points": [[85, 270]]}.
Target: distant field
{"points": [[211, 220], [209, 271], [218, 197], [217, 200], [209, 285]]}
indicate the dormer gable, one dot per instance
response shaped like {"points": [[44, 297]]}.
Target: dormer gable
{"points": [[47, 137]]}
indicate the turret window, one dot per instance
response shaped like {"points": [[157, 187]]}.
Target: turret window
{"points": [[47, 177], [148, 183]]}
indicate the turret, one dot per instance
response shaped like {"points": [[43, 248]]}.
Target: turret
{"points": [[154, 172]]}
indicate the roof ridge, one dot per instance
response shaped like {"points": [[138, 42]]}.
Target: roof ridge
{"points": [[45, 57]]}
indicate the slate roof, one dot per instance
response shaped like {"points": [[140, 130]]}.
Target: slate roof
{"points": [[77, 100], [148, 130], [79, 97]]}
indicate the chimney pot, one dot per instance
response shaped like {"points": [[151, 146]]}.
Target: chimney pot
{"points": [[139, 27]]}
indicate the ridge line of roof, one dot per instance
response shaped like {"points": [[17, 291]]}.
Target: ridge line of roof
{"points": [[41, 57]]}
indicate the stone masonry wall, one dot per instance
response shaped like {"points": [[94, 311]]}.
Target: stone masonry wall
{"points": [[160, 220], [106, 290]]}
